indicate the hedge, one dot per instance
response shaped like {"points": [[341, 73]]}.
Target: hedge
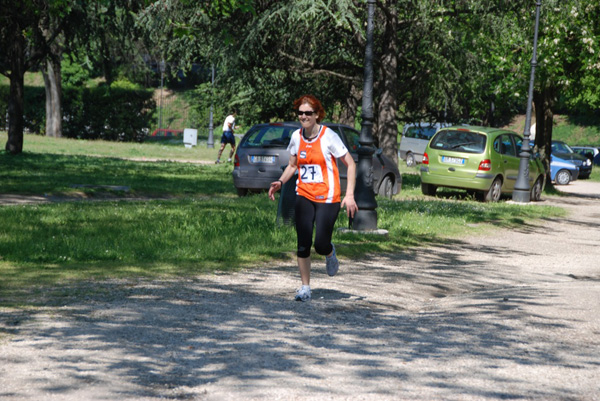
{"points": [[103, 112]]}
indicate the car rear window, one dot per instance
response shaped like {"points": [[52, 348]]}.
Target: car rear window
{"points": [[459, 141], [420, 132], [349, 137], [268, 137]]}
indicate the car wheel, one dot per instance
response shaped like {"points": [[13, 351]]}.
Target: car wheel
{"points": [[536, 190], [386, 187], [493, 194], [410, 160], [242, 191], [563, 177], [428, 189]]}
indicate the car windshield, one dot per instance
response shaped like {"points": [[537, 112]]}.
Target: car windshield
{"points": [[459, 141], [561, 147], [268, 136]]}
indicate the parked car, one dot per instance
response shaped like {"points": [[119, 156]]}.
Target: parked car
{"points": [[415, 138], [562, 151], [562, 172], [482, 160], [262, 155], [590, 152]]}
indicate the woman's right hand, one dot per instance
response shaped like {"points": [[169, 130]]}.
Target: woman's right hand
{"points": [[275, 186]]}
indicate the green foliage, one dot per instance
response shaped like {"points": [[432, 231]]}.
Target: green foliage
{"points": [[105, 39], [73, 73], [35, 109], [107, 113], [119, 112], [577, 130], [457, 61]]}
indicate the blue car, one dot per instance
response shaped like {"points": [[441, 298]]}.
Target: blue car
{"points": [[562, 171], [562, 151]]}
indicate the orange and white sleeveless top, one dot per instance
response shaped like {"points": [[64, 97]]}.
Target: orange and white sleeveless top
{"points": [[318, 176]]}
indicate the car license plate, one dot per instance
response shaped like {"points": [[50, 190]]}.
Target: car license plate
{"points": [[453, 160], [263, 159]]}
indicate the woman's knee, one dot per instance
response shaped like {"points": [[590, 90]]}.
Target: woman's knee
{"points": [[323, 248], [303, 252]]}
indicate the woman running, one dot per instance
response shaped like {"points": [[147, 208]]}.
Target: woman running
{"points": [[313, 152]]}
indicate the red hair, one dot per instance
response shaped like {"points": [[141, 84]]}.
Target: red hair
{"points": [[314, 103]]}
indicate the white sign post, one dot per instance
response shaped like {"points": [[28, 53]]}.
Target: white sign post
{"points": [[190, 137]]}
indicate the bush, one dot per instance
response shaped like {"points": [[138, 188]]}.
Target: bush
{"points": [[110, 113], [35, 108], [121, 112]]}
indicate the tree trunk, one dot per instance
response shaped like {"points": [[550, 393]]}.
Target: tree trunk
{"points": [[387, 126], [350, 107], [544, 101], [52, 82], [14, 144]]}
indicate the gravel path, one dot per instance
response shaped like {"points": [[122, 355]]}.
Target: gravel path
{"points": [[511, 317]]}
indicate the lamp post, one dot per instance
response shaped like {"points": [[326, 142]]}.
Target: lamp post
{"points": [[162, 67], [211, 138], [366, 216], [521, 192]]}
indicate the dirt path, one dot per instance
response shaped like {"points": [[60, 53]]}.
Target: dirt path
{"points": [[515, 316]]}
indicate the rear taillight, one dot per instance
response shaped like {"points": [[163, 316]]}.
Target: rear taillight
{"points": [[485, 165], [425, 158], [236, 161]]}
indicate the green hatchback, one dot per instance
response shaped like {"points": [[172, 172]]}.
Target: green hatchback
{"points": [[482, 160]]}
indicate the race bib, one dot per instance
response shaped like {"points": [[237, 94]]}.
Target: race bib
{"points": [[311, 173]]}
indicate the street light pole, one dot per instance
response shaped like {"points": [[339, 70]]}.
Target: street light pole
{"points": [[366, 216], [162, 67], [521, 192], [211, 138]]}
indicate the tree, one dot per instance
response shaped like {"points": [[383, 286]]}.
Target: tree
{"points": [[569, 63], [27, 38], [101, 34], [427, 60]]}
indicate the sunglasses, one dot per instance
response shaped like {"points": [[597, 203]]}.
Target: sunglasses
{"points": [[307, 113]]}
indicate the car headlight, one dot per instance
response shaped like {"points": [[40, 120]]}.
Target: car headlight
{"points": [[588, 162]]}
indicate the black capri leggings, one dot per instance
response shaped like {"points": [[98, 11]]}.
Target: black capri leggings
{"points": [[321, 215]]}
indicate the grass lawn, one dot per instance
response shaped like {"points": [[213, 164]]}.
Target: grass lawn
{"points": [[199, 225], [168, 149]]}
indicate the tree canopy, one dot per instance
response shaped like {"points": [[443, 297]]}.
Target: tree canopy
{"points": [[453, 60]]}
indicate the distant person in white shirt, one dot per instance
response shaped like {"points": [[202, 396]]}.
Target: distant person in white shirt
{"points": [[227, 137]]}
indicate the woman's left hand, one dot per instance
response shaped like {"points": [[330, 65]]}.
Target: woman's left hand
{"points": [[350, 204]]}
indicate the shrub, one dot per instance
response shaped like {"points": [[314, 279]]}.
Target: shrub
{"points": [[111, 113], [121, 112]]}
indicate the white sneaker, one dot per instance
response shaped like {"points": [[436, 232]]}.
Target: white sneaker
{"points": [[303, 294], [332, 263], [229, 160]]}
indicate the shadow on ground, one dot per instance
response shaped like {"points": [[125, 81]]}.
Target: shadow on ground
{"points": [[375, 331]]}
